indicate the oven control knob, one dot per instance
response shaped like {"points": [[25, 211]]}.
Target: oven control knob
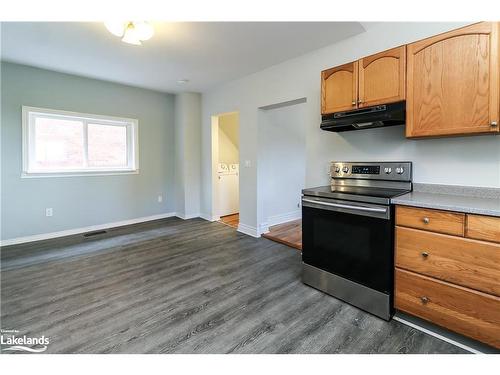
{"points": [[387, 170], [345, 169], [400, 170], [337, 169]]}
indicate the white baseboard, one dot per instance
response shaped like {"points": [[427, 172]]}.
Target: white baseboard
{"points": [[264, 228], [247, 229], [209, 217], [284, 218], [188, 216], [437, 335], [279, 219], [69, 232]]}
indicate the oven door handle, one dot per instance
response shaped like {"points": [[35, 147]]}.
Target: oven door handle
{"points": [[359, 208], [370, 211]]}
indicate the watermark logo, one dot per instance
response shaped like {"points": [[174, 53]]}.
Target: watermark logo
{"points": [[11, 341]]}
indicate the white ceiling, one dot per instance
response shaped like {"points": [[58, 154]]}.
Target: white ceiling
{"points": [[208, 54]]}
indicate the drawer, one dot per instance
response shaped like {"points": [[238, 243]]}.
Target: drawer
{"points": [[432, 220], [483, 227], [459, 309], [471, 263]]}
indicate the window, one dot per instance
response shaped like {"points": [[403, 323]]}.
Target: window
{"points": [[60, 143]]}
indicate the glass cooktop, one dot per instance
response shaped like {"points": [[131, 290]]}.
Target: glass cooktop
{"points": [[356, 193]]}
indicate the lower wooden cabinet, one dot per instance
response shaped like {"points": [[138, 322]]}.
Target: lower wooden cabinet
{"points": [[483, 227], [448, 270], [460, 309], [470, 263], [431, 220]]}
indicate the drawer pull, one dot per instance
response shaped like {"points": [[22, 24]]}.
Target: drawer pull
{"points": [[425, 254], [424, 300], [426, 220]]}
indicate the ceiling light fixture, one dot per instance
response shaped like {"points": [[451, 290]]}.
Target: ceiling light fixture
{"points": [[131, 32], [183, 81]]}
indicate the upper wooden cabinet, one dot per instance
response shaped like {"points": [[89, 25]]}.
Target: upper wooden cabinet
{"points": [[376, 79], [453, 83], [382, 77], [339, 88]]}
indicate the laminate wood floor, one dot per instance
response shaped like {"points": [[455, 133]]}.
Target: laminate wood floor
{"points": [[175, 286], [289, 234]]}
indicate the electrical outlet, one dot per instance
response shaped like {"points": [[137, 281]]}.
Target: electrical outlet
{"points": [[160, 198], [248, 163], [49, 212]]}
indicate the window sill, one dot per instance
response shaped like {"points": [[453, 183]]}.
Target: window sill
{"points": [[78, 173]]}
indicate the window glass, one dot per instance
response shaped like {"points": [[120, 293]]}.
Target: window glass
{"points": [[67, 143], [58, 144], [107, 145]]}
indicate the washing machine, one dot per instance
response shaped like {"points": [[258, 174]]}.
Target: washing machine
{"points": [[228, 189]]}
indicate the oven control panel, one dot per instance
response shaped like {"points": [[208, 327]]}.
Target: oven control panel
{"points": [[394, 171], [365, 169]]}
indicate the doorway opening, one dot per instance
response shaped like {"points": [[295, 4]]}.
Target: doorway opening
{"points": [[282, 170], [226, 168]]}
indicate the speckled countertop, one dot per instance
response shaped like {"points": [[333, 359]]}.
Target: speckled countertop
{"points": [[474, 200]]}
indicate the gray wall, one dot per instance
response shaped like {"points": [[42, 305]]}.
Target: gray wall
{"points": [[187, 154], [282, 162], [83, 201]]}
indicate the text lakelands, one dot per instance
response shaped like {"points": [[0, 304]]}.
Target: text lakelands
{"points": [[24, 340]]}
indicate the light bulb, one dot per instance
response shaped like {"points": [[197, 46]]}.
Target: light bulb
{"points": [[130, 37], [143, 30], [116, 27], [130, 31]]}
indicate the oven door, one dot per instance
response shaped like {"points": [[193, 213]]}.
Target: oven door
{"points": [[349, 239]]}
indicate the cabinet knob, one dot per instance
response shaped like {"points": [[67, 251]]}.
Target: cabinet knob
{"points": [[494, 124], [426, 220], [360, 101], [425, 254], [353, 102], [424, 299]]}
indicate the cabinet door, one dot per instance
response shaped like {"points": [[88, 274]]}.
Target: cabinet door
{"points": [[382, 77], [339, 88], [453, 84]]}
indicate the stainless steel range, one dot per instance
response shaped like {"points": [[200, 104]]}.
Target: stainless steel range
{"points": [[348, 233]]}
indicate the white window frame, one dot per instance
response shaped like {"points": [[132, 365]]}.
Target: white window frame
{"points": [[28, 131]]}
